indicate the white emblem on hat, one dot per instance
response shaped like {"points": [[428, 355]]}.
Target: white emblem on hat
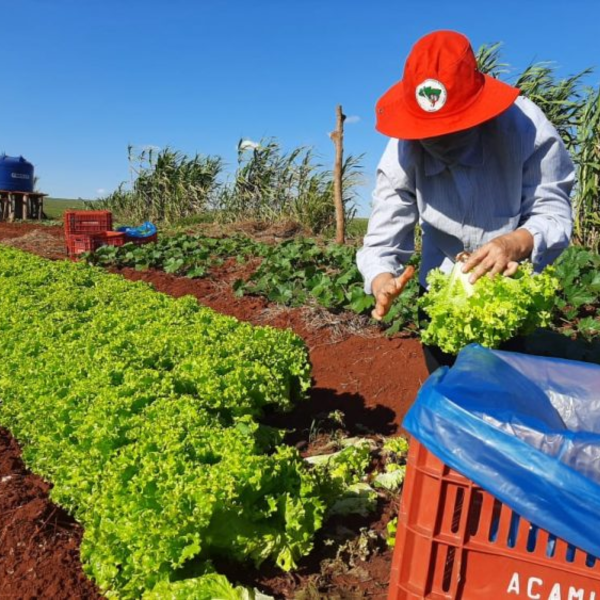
{"points": [[431, 95]]}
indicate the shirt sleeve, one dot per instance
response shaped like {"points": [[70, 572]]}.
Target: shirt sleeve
{"points": [[389, 241], [548, 178]]}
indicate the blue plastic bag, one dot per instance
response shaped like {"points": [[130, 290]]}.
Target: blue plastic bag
{"points": [[145, 230], [524, 428]]}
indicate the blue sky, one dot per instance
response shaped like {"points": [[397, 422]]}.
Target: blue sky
{"points": [[83, 79]]}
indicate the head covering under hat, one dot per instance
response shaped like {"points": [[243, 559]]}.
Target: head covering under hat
{"points": [[442, 91]]}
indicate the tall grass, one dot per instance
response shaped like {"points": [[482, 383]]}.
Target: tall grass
{"points": [[562, 100], [272, 185], [166, 187], [586, 204], [269, 185]]}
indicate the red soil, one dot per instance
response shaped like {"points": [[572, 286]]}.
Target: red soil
{"points": [[370, 378]]}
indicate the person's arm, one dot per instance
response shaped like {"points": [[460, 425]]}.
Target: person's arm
{"points": [[546, 218], [389, 242]]}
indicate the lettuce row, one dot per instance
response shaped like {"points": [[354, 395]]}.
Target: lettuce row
{"points": [[141, 410]]}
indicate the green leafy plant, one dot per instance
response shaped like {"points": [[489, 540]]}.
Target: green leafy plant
{"points": [[205, 587], [142, 411], [489, 312], [189, 255], [298, 270], [392, 528], [576, 309], [397, 445]]}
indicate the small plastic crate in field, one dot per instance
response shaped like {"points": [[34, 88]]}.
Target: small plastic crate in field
{"points": [[456, 541], [141, 240], [108, 238], [87, 221], [80, 243]]}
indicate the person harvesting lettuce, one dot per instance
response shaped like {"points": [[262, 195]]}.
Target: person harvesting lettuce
{"points": [[478, 166]]}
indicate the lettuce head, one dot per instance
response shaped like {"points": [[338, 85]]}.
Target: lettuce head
{"points": [[488, 312]]}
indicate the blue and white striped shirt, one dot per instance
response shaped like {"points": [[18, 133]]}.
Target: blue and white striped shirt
{"points": [[518, 174]]}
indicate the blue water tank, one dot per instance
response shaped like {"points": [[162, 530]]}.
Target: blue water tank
{"points": [[16, 174]]}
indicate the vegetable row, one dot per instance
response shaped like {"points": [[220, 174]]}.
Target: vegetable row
{"points": [[142, 411], [301, 271]]}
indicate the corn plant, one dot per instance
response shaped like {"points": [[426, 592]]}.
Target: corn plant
{"points": [[166, 187], [586, 203], [271, 185], [561, 100], [489, 62]]}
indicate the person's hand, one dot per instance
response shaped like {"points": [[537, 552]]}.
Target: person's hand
{"points": [[501, 255], [386, 288]]}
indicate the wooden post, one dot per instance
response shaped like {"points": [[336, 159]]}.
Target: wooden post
{"points": [[338, 139], [11, 207], [26, 204]]}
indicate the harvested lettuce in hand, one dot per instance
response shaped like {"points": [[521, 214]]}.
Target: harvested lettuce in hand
{"points": [[489, 312]]}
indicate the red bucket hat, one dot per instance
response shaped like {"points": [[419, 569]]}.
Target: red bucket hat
{"points": [[442, 91]]}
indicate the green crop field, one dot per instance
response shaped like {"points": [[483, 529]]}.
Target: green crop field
{"points": [[358, 227], [54, 207]]}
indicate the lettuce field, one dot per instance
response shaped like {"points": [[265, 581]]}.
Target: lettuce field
{"points": [[162, 445], [152, 445]]}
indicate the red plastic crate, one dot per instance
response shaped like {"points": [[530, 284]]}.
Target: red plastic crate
{"points": [[457, 541], [108, 238], [79, 243], [87, 221], [82, 242]]}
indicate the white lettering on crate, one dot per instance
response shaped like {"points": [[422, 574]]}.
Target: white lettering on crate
{"points": [[534, 581], [533, 589]]}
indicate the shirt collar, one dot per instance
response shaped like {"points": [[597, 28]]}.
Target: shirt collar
{"points": [[473, 156]]}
